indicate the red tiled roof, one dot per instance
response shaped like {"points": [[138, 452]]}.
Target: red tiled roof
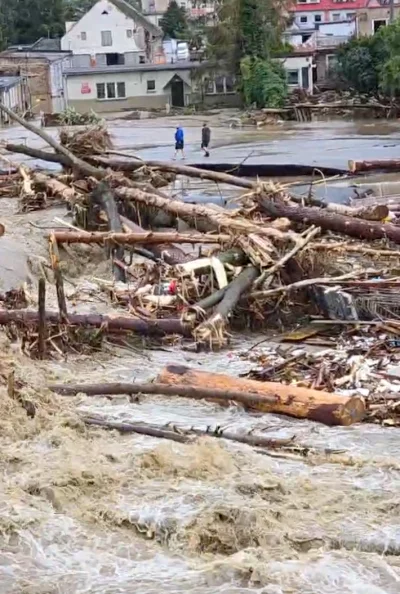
{"points": [[323, 5]]}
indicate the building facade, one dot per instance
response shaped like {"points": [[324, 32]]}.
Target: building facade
{"points": [[43, 72], [111, 33], [145, 86], [14, 94]]}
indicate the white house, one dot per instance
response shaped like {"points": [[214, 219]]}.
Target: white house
{"points": [[111, 33]]}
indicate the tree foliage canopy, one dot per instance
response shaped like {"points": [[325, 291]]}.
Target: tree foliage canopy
{"points": [[246, 38], [371, 65], [174, 22]]}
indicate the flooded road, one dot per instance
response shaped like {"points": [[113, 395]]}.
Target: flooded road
{"points": [[94, 512]]}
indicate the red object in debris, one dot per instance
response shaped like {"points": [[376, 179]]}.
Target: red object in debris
{"points": [[172, 288]]}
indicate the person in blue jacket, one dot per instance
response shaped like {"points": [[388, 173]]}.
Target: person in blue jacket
{"points": [[179, 142]]}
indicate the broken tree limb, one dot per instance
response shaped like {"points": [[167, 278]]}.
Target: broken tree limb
{"points": [[55, 263], [103, 197], [108, 323], [42, 318], [186, 435], [375, 165], [309, 282], [213, 329], [72, 159], [303, 403], [329, 221], [343, 246], [300, 244], [145, 237]]}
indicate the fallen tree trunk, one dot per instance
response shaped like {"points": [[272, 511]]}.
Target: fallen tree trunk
{"points": [[170, 254], [55, 187], [145, 238], [350, 226], [213, 329], [375, 165], [108, 323], [103, 198], [192, 212], [73, 161], [303, 403], [197, 393]]}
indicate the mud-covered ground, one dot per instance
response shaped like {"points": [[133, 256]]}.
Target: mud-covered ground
{"points": [[90, 511]]}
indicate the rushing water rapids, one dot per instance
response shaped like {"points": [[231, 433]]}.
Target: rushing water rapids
{"points": [[90, 511]]}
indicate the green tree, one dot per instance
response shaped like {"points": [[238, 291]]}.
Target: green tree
{"points": [[174, 22], [371, 65], [246, 41], [263, 82]]}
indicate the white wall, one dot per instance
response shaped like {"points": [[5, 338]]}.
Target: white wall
{"points": [[297, 63], [347, 28], [93, 23], [135, 83]]}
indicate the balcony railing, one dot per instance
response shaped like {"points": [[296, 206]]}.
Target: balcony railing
{"points": [[331, 41]]}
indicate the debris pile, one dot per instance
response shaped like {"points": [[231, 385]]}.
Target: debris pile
{"points": [[267, 262], [363, 362]]}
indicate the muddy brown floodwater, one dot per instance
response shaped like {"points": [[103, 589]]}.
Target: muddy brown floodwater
{"points": [[91, 511]]}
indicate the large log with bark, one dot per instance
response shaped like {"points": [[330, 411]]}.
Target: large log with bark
{"points": [[108, 323], [330, 221], [302, 403], [374, 165]]}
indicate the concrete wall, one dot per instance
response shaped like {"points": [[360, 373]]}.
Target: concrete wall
{"points": [[338, 29], [93, 23], [81, 91]]}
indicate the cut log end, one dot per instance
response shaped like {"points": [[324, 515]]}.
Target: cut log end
{"points": [[302, 403]]}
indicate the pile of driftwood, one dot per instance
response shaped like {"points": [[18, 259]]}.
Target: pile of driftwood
{"points": [[277, 254], [363, 361]]}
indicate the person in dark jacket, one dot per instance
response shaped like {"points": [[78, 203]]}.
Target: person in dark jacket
{"points": [[179, 142], [205, 139]]}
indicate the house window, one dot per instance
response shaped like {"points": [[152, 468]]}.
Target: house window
{"points": [[336, 16], [303, 19], [142, 59], [350, 16], [83, 36], [111, 90], [292, 77], [378, 23], [229, 84], [106, 38], [151, 86], [219, 84], [317, 18], [331, 60], [101, 90], [121, 93], [209, 86], [129, 33]]}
